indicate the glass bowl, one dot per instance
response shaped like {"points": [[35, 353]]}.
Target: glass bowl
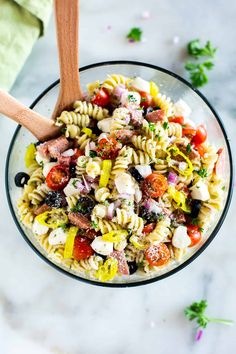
{"points": [[171, 85]]}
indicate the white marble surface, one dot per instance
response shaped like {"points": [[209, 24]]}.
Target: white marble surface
{"points": [[43, 311]]}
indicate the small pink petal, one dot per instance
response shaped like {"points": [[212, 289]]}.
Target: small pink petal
{"points": [[199, 335], [145, 15]]}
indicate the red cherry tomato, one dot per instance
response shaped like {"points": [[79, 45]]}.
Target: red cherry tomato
{"points": [[146, 99], [82, 248], [177, 119], [108, 148], [148, 228], [101, 98], [77, 154], [155, 185], [200, 136], [188, 130], [157, 255], [195, 234], [58, 177], [200, 149], [220, 163]]}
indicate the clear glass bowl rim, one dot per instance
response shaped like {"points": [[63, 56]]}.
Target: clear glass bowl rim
{"points": [[198, 252]]}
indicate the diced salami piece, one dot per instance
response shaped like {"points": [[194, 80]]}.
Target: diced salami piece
{"points": [[124, 135], [41, 209], [220, 163], [156, 116], [79, 220], [57, 146], [178, 216], [43, 149], [123, 267], [136, 117], [64, 160]]}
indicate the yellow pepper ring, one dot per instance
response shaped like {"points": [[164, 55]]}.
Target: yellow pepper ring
{"points": [[176, 152], [87, 131], [135, 242], [52, 219], [108, 270], [70, 240], [105, 173], [115, 236], [179, 198], [30, 155]]}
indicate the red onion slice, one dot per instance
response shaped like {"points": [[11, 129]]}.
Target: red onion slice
{"points": [[172, 178], [111, 211]]}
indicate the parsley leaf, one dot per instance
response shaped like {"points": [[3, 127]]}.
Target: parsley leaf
{"points": [[92, 153], [135, 34], [197, 72], [188, 149], [196, 51], [165, 125], [152, 126], [195, 221], [196, 311], [94, 225], [202, 172]]}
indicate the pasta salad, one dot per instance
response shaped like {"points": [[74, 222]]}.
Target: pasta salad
{"points": [[130, 185]]}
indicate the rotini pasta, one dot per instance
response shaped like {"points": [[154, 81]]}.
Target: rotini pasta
{"points": [[92, 110], [69, 118]]}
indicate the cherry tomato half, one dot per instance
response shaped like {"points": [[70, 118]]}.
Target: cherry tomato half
{"points": [[148, 228], [200, 149], [77, 154], [82, 248], [194, 234], [101, 98], [58, 177], [188, 130], [200, 136], [157, 255], [108, 148], [155, 185], [176, 119], [146, 99]]}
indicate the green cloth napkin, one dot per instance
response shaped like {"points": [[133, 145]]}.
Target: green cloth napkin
{"points": [[22, 22]]}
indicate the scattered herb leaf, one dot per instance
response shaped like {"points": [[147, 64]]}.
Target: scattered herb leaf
{"points": [[94, 225], [188, 149], [152, 126], [196, 312], [92, 153], [195, 49], [165, 125], [202, 172], [135, 34]]}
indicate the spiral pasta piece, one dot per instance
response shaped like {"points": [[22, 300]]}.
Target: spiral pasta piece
{"points": [[72, 200], [140, 157], [112, 81], [39, 194], [83, 141], [25, 212], [164, 103], [133, 254], [37, 177], [147, 145], [161, 231], [122, 162], [92, 110], [161, 166], [81, 120], [175, 129], [103, 225], [102, 194], [89, 264], [81, 164], [209, 159], [72, 131]]}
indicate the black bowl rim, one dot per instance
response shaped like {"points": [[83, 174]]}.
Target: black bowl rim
{"points": [[195, 255]]}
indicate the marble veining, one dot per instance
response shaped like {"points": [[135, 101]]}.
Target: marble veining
{"points": [[43, 311]]}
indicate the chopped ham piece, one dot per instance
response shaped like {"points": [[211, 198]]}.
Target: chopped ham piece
{"points": [[123, 267], [79, 220], [53, 147], [156, 116], [41, 209], [124, 135], [64, 160], [178, 216]]}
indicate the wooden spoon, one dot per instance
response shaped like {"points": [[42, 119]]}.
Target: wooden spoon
{"points": [[67, 20], [42, 128]]}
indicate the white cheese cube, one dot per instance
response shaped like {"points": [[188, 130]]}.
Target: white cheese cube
{"points": [[141, 85], [144, 170], [39, 229], [72, 187], [130, 97], [41, 159], [124, 183], [102, 247], [57, 237], [47, 167], [105, 125], [180, 238], [181, 108], [200, 191]]}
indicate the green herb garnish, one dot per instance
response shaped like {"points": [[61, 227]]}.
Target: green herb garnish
{"points": [[165, 125], [202, 172], [64, 227], [92, 153], [197, 51], [195, 221], [94, 225], [74, 182], [135, 34], [152, 126], [196, 312], [188, 149]]}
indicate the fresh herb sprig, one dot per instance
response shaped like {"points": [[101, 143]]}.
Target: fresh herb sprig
{"points": [[198, 70], [135, 34], [196, 312]]}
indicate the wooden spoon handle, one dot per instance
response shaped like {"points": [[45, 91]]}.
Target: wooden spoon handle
{"points": [[67, 20], [38, 125]]}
